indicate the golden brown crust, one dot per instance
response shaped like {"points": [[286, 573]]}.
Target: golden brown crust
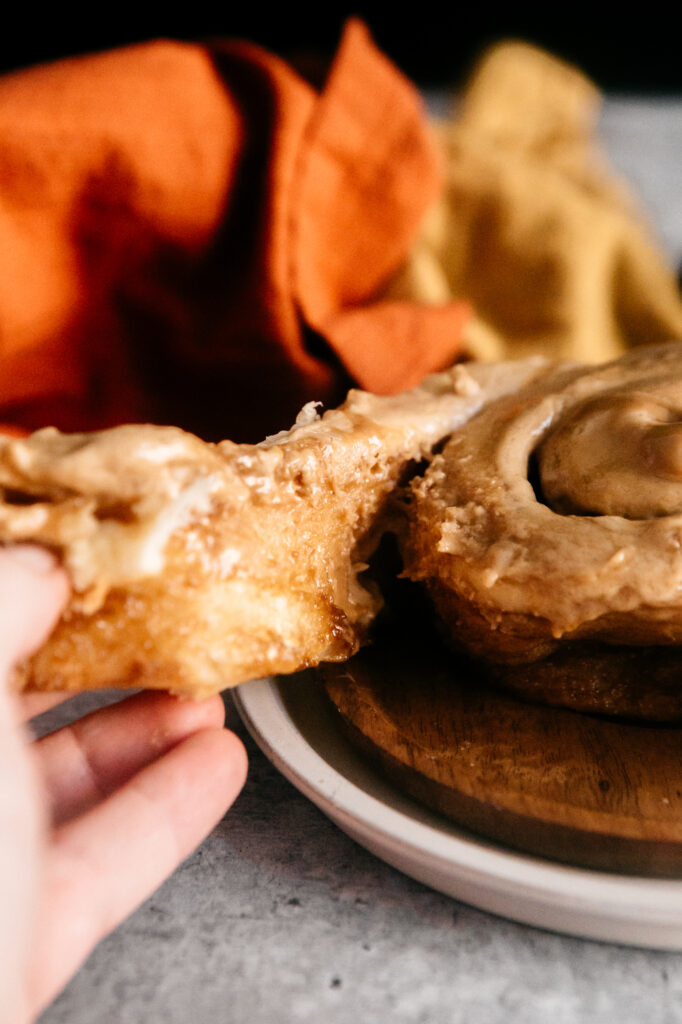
{"points": [[638, 683]]}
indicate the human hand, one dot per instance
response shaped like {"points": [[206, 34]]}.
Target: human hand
{"points": [[94, 816]]}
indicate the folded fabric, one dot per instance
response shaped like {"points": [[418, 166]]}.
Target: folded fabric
{"points": [[199, 237], [534, 228]]}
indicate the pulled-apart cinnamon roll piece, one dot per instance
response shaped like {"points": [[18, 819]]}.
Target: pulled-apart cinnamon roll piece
{"points": [[551, 526], [197, 566]]}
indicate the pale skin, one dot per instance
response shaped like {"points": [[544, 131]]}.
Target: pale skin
{"points": [[95, 816]]}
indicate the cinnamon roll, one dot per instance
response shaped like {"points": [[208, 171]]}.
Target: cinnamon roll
{"points": [[549, 535], [197, 566]]}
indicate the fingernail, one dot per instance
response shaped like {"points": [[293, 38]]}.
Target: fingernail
{"points": [[37, 560]]}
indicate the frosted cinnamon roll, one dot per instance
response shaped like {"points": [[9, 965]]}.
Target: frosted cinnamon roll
{"points": [[550, 528], [197, 566]]}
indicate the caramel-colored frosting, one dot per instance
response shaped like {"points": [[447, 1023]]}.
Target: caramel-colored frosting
{"points": [[618, 454], [557, 512]]}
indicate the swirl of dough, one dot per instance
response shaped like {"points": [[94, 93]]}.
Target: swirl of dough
{"points": [[556, 513], [597, 459]]}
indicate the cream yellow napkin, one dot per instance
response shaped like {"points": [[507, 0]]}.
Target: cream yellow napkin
{"points": [[534, 228]]}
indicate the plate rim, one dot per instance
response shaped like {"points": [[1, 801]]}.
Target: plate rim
{"points": [[627, 909]]}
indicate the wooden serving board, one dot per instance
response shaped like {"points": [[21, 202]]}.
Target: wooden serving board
{"points": [[572, 787]]}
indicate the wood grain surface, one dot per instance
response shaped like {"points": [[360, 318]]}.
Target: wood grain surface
{"points": [[573, 787]]}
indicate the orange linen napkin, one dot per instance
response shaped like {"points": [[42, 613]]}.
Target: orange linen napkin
{"points": [[197, 237]]}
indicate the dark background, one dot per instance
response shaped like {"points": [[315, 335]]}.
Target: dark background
{"points": [[626, 54]]}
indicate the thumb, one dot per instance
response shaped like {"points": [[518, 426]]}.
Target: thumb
{"points": [[33, 591]]}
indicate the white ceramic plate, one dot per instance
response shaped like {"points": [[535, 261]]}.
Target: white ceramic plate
{"points": [[294, 725]]}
